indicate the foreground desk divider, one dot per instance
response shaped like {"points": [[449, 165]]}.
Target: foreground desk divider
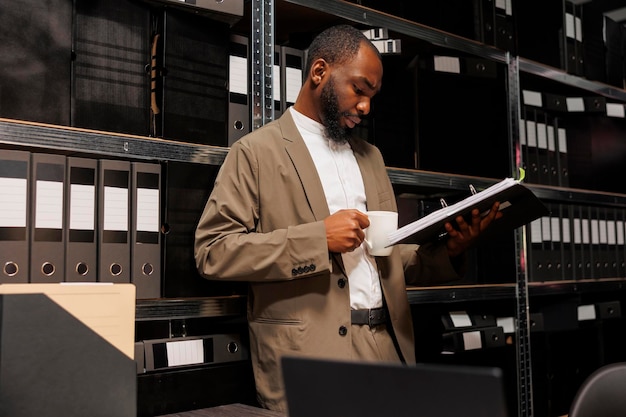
{"points": [[67, 350]]}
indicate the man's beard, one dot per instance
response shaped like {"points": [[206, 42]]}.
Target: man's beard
{"points": [[331, 116]]}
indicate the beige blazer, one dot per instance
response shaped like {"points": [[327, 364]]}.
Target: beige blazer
{"points": [[263, 223]]}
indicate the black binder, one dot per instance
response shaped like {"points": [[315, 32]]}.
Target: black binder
{"points": [[195, 88], [567, 242], [580, 233], [620, 224], [528, 145], [562, 152], [572, 38], [518, 204], [534, 263]]}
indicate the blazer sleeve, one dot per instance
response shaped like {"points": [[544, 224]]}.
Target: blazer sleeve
{"points": [[229, 244]]}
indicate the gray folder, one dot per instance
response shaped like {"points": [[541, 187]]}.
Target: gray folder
{"points": [[81, 248], [114, 221], [47, 239], [14, 216], [239, 122], [145, 229], [292, 66]]}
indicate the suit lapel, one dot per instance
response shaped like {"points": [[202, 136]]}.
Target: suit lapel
{"points": [[304, 166], [369, 181]]}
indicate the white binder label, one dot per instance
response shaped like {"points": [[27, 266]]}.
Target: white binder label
{"points": [[115, 208], [13, 202], [238, 75], [276, 82], [82, 207], [147, 210], [460, 319], [49, 205], [471, 340], [293, 83], [187, 352], [447, 64]]}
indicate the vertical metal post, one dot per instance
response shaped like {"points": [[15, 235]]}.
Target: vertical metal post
{"points": [[262, 62], [524, 365]]}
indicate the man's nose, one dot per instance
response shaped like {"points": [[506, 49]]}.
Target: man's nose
{"points": [[363, 106]]}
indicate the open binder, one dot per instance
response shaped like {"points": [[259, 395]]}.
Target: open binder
{"points": [[518, 204]]}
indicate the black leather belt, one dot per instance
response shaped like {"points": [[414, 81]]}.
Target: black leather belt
{"points": [[372, 317]]}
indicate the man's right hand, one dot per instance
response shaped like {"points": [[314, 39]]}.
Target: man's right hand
{"points": [[344, 230]]}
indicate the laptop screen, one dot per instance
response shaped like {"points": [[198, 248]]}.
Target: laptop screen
{"points": [[331, 388]]}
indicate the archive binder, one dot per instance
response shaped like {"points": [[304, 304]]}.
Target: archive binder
{"points": [[276, 83], [146, 225], [238, 89], [195, 87], [47, 240], [580, 236], [504, 25], [14, 215], [529, 149], [620, 238], [81, 248], [534, 262], [562, 154], [518, 204], [597, 266], [114, 221], [567, 240], [555, 247], [587, 247], [572, 38], [543, 154], [292, 66], [545, 268]]}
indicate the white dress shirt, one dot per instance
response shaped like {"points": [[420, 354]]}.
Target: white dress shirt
{"points": [[344, 189]]}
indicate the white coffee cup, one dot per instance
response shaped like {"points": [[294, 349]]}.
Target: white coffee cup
{"points": [[377, 233]]}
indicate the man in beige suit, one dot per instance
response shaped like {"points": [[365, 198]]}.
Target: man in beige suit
{"points": [[287, 215]]}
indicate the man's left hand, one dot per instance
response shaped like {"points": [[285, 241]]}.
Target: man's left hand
{"points": [[466, 234]]}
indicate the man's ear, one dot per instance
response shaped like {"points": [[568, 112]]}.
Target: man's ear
{"points": [[318, 71]]}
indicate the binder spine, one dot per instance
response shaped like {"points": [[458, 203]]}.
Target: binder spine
{"points": [[292, 68], [81, 222], [145, 229], [114, 221], [14, 216], [239, 122], [47, 241]]}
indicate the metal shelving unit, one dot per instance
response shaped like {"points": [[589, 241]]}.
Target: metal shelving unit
{"points": [[69, 140]]}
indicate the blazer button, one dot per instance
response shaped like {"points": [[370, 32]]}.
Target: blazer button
{"points": [[343, 331], [312, 267], [341, 282], [294, 272]]}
